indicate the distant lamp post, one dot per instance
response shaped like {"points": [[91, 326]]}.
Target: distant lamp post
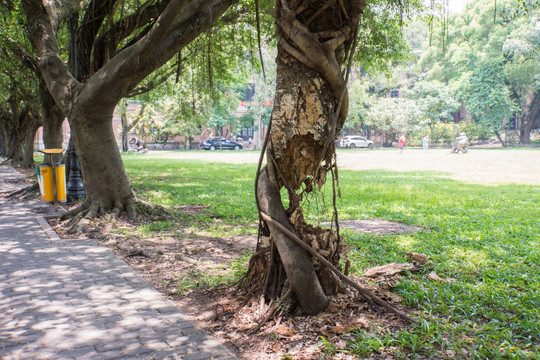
{"points": [[75, 188]]}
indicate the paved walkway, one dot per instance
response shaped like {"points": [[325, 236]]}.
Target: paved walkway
{"points": [[74, 299]]}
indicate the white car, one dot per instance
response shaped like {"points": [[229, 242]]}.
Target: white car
{"points": [[355, 141]]}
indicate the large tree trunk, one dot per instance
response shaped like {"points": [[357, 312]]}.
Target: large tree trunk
{"points": [[28, 159], [125, 133], [499, 137], [106, 182], [314, 39], [15, 148]]}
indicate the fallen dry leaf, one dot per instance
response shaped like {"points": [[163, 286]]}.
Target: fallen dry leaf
{"points": [[362, 321], [332, 307], [284, 330], [394, 297], [342, 329], [433, 276], [387, 270], [416, 258]]}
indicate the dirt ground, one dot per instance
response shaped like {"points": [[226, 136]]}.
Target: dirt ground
{"points": [[230, 315], [479, 166]]}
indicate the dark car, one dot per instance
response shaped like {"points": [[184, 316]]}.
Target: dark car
{"points": [[221, 144]]}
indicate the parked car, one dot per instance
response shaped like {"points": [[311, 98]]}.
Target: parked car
{"points": [[221, 144], [355, 141]]}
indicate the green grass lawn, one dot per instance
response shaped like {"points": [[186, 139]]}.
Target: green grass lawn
{"points": [[487, 238]]}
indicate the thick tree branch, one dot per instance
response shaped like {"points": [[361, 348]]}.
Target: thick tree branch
{"points": [[134, 63], [26, 59], [107, 42], [60, 10], [161, 28], [55, 72]]}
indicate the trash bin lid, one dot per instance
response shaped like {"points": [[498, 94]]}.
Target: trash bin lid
{"points": [[52, 151]]}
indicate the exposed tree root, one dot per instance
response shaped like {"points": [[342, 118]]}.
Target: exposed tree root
{"points": [[24, 193], [130, 251], [78, 219]]}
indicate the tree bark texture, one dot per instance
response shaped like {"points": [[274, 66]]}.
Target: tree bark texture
{"points": [[310, 107], [106, 182], [52, 119]]}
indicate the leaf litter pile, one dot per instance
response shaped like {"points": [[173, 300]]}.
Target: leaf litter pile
{"points": [[195, 271]]}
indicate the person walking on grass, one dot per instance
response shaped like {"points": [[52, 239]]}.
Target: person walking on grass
{"points": [[401, 143], [425, 140]]}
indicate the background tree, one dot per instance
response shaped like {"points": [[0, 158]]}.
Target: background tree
{"points": [[19, 104], [392, 116], [118, 45], [435, 103], [223, 118], [359, 104], [128, 121], [490, 62], [26, 103], [521, 59]]}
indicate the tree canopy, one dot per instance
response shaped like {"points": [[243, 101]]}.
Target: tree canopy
{"points": [[484, 61]]}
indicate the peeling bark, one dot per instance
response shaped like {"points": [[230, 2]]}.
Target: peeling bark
{"points": [[310, 107]]}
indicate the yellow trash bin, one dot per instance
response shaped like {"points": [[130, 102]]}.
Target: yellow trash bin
{"points": [[52, 186], [47, 183]]}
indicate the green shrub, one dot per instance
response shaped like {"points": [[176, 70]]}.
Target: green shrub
{"points": [[475, 132], [442, 133]]}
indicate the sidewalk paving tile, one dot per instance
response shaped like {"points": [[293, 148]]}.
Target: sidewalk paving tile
{"points": [[74, 299]]}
